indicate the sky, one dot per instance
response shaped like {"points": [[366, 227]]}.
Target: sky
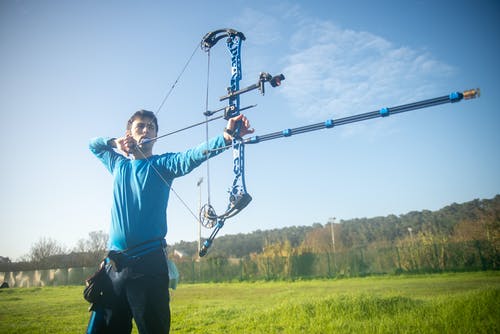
{"points": [[74, 70]]}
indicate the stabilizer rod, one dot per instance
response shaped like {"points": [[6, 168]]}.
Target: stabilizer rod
{"points": [[383, 112]]}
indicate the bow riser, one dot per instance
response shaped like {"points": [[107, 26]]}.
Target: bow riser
{"points": [[238, 196]]}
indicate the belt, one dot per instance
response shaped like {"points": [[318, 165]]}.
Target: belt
{"points": [[145, 247], [131, 255]]}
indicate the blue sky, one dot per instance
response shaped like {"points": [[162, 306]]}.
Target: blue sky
{"points": [[73, 70]]}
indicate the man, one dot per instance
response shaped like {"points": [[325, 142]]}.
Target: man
{"points": [[142, 182]]}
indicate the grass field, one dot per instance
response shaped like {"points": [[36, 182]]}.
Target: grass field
{"points": [[445, 303]]}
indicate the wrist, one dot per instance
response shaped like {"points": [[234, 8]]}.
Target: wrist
{"points": [[111, 142]]}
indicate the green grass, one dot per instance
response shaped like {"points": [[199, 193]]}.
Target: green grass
{"points": [[447, 303]]}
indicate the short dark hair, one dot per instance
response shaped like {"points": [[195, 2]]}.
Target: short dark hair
{"points": [[143, 114]]}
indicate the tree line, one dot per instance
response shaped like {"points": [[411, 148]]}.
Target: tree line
{"points": [[457, 237], [474, 220], [48, 253]]}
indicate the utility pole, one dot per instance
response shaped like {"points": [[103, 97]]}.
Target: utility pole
{"points": [[332, 222], [412, 246], [200, 181], [411, 235]]}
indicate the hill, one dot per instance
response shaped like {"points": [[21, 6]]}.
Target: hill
{"points": [[474, 220]]}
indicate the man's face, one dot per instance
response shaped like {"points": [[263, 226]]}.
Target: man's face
{"points": [[142, 128]]}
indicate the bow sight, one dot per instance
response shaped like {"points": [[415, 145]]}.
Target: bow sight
{"points": [[263, 77]]}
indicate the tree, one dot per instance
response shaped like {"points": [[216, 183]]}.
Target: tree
{"points": [[5, 260], [318, 240], [43, 250], [95, 246]]}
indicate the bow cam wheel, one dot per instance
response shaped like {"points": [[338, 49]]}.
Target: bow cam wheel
{"points": [[208, 217]]}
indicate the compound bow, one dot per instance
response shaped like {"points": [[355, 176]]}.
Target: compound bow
{"points": [[239, 198], [238, 195]]}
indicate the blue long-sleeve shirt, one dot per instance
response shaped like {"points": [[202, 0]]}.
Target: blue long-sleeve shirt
{"points": [[140, 194]]}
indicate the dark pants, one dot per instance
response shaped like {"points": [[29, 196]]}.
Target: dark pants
{"points": [[143, 296]]}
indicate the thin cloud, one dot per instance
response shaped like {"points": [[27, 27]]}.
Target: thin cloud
{"points": [[266, 32], [335, 72]]}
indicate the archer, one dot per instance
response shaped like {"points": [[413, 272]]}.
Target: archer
{"points": [[136, 263]]}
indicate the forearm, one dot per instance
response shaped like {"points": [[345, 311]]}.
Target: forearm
{"points": [[103, 149], [100, 144]]}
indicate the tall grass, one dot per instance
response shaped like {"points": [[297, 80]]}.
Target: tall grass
{"points": [[448, 303]]}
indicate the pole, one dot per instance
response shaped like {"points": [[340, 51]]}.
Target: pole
{"points": [[332, 222], [200, 181]]}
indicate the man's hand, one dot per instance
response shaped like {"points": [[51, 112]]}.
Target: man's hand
{"points": [[245, 128], [127, 144]]}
